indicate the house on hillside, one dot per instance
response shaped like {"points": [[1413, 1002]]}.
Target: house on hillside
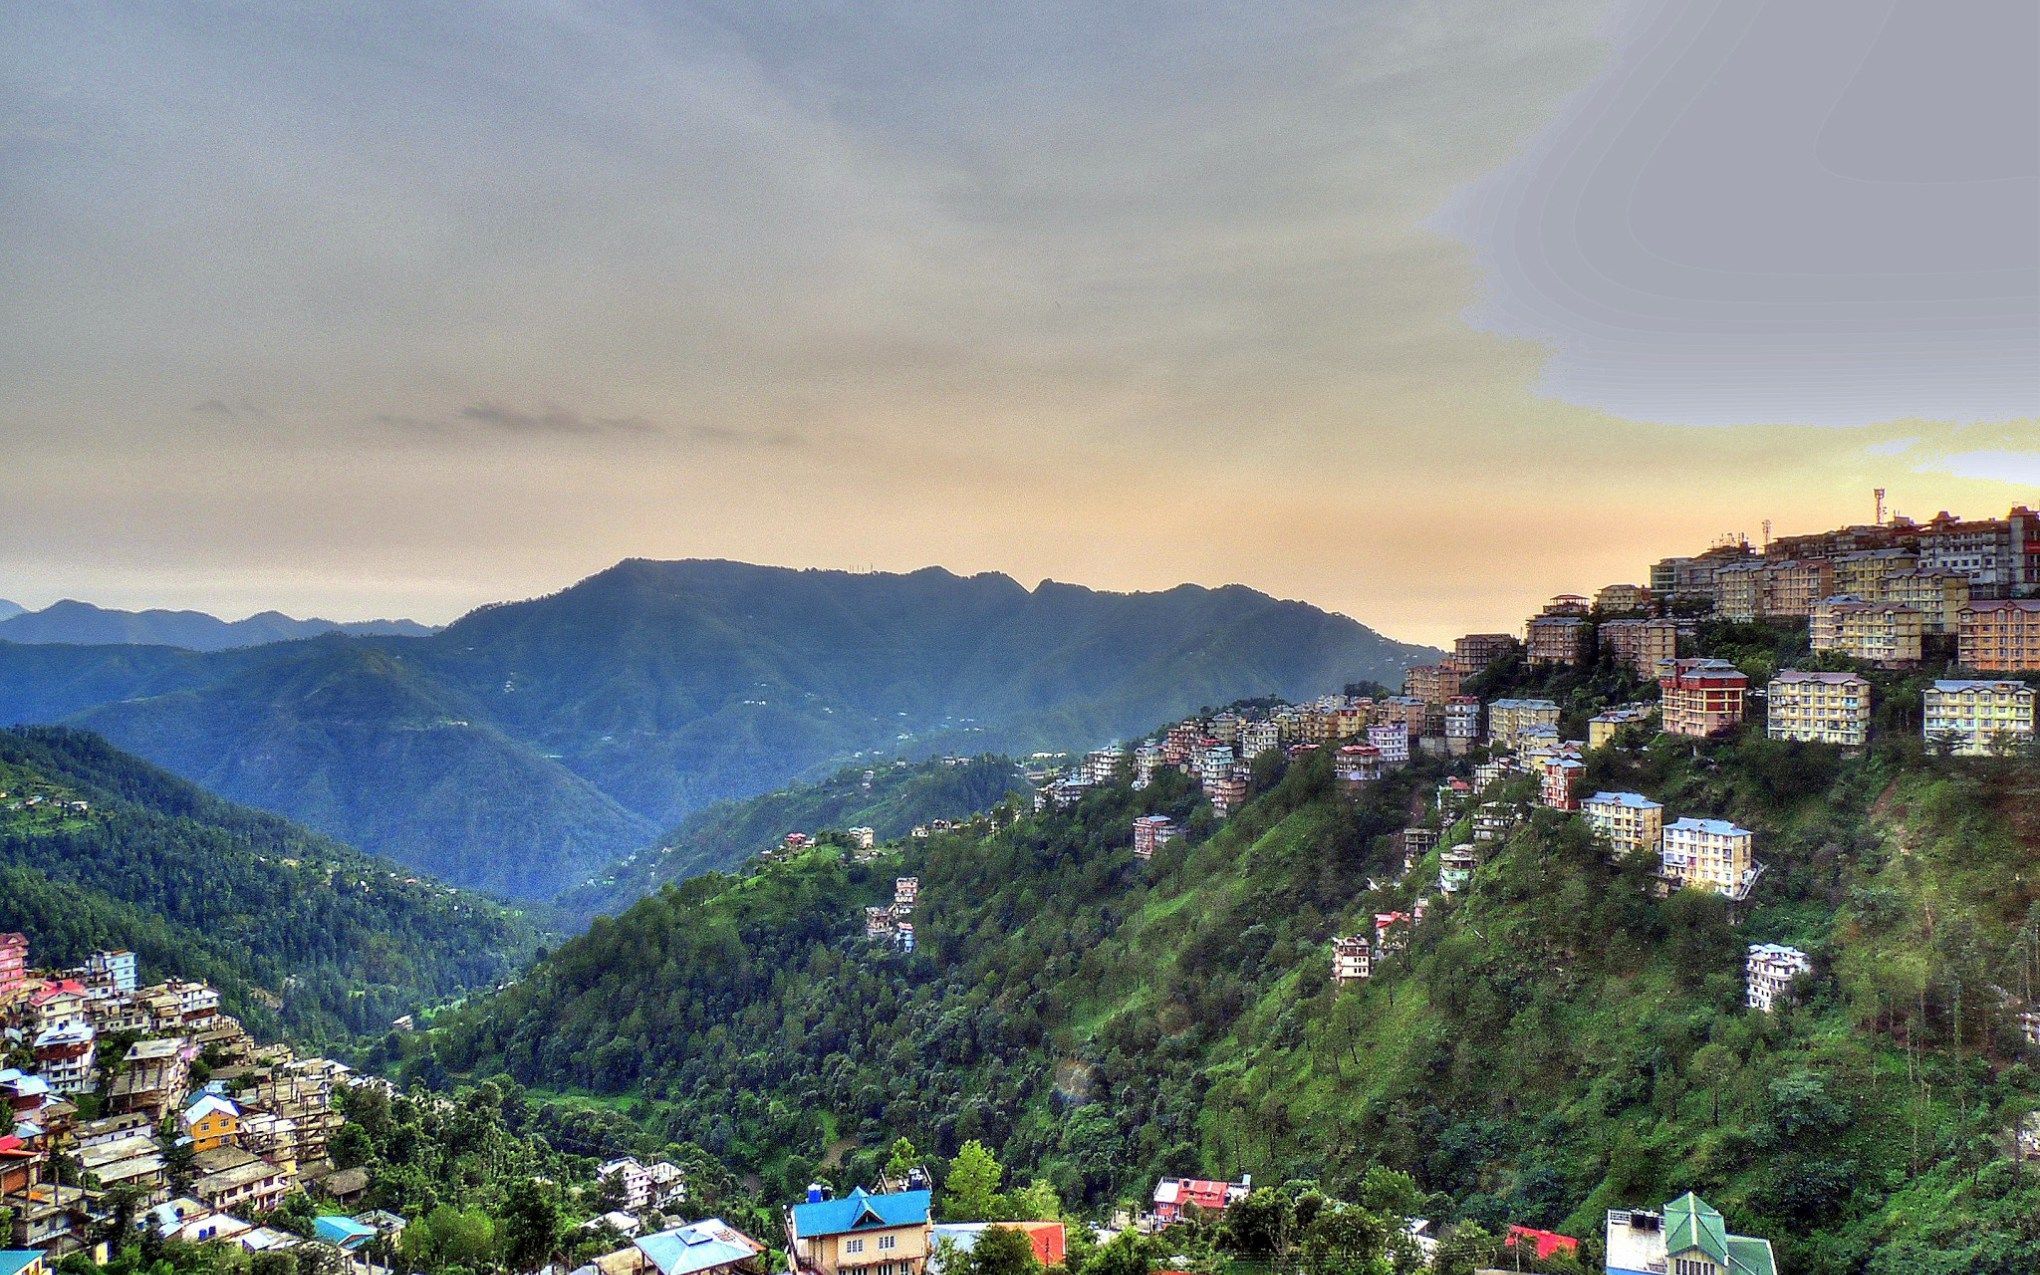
{"points": [[1768, 974], [1151, 833], [860, 1234], [1686, 1237], [1352, 960], [708, 1247], [1175, 1197]]}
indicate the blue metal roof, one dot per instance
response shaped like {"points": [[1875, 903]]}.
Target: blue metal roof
{"points": [[698, 1246], [342, 1231], [860, 1211]]}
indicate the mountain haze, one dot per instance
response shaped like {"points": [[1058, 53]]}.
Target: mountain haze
{"points": [[84, 624], [529, 742]]}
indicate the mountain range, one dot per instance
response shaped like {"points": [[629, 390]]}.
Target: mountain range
{"points": [[82, 623], [528, 745]]}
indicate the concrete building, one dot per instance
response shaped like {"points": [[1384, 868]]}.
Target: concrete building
{"points": [[1475, 651], [1604, 726], [1456, 867], [1688, 1237], [1768, 972], [1818, 708], [1937, 593], [1791, 588], [1709, 854], [1701, 697], [1739, 590], [1356, 765], [1640, 644], [2001, 556], [1866, 572], [1558, 786], [1151, 833], [1561, 639], [1352, 959], [1999, 636], [1883, 633], [1432, 683], [1259, 737], [1508, 718], [1392, 741], [1462, 724], [1629, 822], [1977, 717], [1621, 599]]}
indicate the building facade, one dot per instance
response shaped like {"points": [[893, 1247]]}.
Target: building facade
{"points": [[1702, 697], [1977, 717], [1629, 822], [1709, 854], [1999, 635], [1818, 708]]}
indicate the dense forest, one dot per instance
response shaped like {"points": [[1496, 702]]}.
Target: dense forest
{"points": [[1554, 1042], [897, 796], [530, 744], [298, 932]]}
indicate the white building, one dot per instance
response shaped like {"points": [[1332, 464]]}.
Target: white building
{"points": [[1392, 739], [1352, 959], [1769, 971]]}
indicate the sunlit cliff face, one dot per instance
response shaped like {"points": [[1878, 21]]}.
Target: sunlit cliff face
{"points": [[368, 313]]}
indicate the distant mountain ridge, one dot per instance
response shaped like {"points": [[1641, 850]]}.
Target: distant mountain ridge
{"points": [[84, 624], [529, 743]]}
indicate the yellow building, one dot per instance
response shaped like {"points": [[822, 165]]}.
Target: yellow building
{"points": [[861, 1233], [1864, 573], [1603, 727], [1509, 718], [1819, 708], [2000, 636], [1935, 592], [1640, 644], [1709, 854], [1978, 718], [211, 1122], [1628, 821], [1883, 633]]}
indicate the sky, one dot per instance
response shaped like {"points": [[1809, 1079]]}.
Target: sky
{"points": [[1420, 311]]}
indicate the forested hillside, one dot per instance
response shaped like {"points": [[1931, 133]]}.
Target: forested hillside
{"points": [[896, 796], [531, 743], [1554, 1041], [82, 623], [298, 932]]}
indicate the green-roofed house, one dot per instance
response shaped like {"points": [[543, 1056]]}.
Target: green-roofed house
{"points": [[1688, 1237]]}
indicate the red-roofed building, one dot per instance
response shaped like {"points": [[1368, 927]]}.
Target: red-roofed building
{"points": [[1175, 1196], [1542, 1244]]}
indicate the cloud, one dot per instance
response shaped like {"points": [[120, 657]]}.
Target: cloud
{"points": [[1805, 213], [240, 409], [552, 419]]}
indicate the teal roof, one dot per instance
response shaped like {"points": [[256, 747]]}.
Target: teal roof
{"points": [[15, 1260], [698, 1246], [1692, 1223], [343, 1231], [860, 1211]]}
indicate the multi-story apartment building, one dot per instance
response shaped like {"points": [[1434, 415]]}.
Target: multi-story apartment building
{"points": [[1508, 718], [1640, 644], [1709, 854], [1701, 697], [2001, 556], [1977, 717], [1695, 578], [1475, 651], [1456, 867], [1432, 683], [110, 973], [1410, 713], [1629, 822], [1259, 737], [1604, 726], [1558, 639], [1866, 572], [1391, 740], [1462, 724], [1937, 593], [1356, 765], [1792, 587], [1739, 590], [13, 965], [1619, 599], [1494, 820], [1228, 793], [1883, 633], [1558, 784], [1768, 973], [1416, 843], [1818, 708], [1151, 833], [1999, 635], [1352, 959]]}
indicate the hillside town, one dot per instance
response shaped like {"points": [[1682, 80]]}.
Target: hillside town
{"points": [[148, 1106]]}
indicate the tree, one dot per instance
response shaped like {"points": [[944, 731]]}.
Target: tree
{"points": [[971, 1191], [531, 1225], [1127, 1253], [1001, 1250], [902, 1162]]}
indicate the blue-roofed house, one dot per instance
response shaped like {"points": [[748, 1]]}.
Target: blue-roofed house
{"points": [[343, 1233], [708, 1247], [862, 1233], [21, 1261]]}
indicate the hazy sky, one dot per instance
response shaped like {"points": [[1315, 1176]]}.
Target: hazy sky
{"points": [[1418, 310]]}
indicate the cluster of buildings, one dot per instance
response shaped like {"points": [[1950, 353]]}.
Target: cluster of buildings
{"points": [[257, 1129], [1693, 853], [894, 922], [891, 1233]]}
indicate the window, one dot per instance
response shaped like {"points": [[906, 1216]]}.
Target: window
{"points": [[853, 1246], [888, 1241]]}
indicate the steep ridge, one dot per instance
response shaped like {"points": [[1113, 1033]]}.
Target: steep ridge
{"points": [[297, 931], [84, 624]]}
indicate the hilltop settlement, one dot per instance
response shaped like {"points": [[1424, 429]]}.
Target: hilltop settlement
{"points": [[149, 1125]]}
